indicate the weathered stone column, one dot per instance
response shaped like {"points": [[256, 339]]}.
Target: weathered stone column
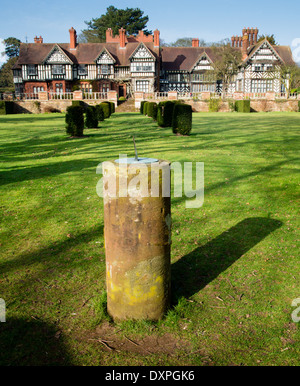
{"points": [[137, 232]]}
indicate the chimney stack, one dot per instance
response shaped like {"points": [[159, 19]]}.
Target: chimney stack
{"points": [[38, 40], [251, 36], [73, 39], [122, 37], [195, 43], [255, 35], [108, 35], [232, 41], [156, 38], [245, 46]]}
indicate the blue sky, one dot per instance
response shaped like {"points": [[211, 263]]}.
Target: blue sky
{"points": [[208, 20]]}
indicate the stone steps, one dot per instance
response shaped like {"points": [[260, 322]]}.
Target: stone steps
{"points": [[128, 106]]}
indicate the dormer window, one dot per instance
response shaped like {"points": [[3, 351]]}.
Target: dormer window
{"points": [[31, 69], [58, 69], [82, 70]]}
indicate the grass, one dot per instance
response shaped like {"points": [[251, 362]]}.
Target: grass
{"points": [[235, 261]]}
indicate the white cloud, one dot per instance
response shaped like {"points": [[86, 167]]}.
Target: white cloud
{"points": [[3, 58]]}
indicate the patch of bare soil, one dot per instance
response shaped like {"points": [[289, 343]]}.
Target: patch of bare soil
{"points": [[113, 340]]}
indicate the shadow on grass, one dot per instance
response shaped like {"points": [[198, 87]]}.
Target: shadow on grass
{"points": [[194, 271], [31, 343]]}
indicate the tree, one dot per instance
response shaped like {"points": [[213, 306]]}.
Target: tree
{"points": [[6, 74], [131, 19], [290, 75], [271, 39], [181, 42], [12, 47], [187, 42], [227, 64]]}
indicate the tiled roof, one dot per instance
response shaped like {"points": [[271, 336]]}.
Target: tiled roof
{"points": [[85, 53]]}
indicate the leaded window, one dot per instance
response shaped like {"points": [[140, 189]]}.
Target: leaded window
{"points": [[142, 85], [142, 67], [82, 70], [31, 69], [58, 69], [261, 85]]}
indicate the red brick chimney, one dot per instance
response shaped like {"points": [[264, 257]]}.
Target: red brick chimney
{"points": [[255, 35], [38, 40], [122, 37], [195, 43], [245, 46], [73, 38], [156, 38], [108, 35], [251, 37]]}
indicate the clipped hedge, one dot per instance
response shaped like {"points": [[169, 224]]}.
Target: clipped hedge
{"points": [[78, 103], [106, 109], [75, 121], [165, 113], [182, 119], [142, 107], [145, 108], [112, 107], [152, 110], [91, 118], [100, 113], [6, 107], [242, 106]]}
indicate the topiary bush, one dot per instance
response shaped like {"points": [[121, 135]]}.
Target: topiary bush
{"points": [[182, 119], [152, 110], [145, 108], [112, 107], [106, 109], [75, 121], [165, 113], [142, 107], [100, 113], [242, 106], [78, 103], [91, 118]]}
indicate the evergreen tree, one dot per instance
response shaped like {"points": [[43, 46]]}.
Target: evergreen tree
{"points": [[131, 19]]}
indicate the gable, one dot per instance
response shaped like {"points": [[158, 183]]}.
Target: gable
{"points": [[265, 52], [203, 63], [57, 55], [142, 53], [105, 58]]}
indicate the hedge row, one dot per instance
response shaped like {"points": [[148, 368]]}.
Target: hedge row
{"points": [[6, 107], [75, 120], [173, 114]]}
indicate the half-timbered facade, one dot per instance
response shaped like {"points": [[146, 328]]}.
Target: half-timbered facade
{"points": [[130, 64]]}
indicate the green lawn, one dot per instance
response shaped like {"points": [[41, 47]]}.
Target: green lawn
{"points": [[235, 261]]}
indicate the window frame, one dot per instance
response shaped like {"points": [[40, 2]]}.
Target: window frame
{"points": [[55, 66]]}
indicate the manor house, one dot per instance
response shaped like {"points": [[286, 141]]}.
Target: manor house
{"points": [[128, 64]]}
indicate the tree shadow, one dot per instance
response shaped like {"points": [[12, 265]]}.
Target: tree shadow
{"points": [[32, 343], [195, 270]]}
